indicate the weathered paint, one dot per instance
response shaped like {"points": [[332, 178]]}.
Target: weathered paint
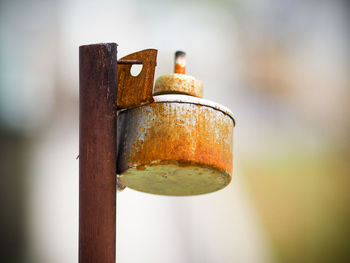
{"points": [[175, 147], [196, 101], [175, 178], [178, 84]]}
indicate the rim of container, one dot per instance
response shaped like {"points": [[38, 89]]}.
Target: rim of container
{"points": [[180, 98]]}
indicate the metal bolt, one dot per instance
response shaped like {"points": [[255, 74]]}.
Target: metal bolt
{"points": [[180, 62]]}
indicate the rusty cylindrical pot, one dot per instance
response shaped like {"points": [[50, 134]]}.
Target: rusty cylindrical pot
{"points": [[177, 145]]}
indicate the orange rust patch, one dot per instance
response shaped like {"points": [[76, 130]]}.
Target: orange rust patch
{"points": [[185, 133], [134, 91], [141, 167], [180, 69]]}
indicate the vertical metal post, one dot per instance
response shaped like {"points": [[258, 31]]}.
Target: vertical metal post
{"points": [[97, 152]]}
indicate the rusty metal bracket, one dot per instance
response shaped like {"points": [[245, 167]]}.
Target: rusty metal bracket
{"points": [[134, 91], [131, 62]]}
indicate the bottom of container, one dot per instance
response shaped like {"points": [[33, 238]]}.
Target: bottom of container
{"points": [[175, 179]]}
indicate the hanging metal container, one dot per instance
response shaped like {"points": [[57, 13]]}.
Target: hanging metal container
{"points": [[179, 144]]}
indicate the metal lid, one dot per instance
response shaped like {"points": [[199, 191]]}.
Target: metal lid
{"points": [[194, 100], [175, 83]]}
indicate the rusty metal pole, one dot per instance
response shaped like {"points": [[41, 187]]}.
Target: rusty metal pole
{"points": [[97, 152]]}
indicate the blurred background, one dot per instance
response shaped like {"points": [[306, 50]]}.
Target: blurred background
{"points": [[282, 67]]}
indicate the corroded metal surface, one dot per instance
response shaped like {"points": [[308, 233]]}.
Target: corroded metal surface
{"points": [[195, 101], [175, 148], [133, 91], [179, 84], [97, 154]]}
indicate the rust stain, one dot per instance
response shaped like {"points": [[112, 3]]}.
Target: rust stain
{"points": [[141, 167], [178, 84], [134, 91], [181, 69], [184, 133]]}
